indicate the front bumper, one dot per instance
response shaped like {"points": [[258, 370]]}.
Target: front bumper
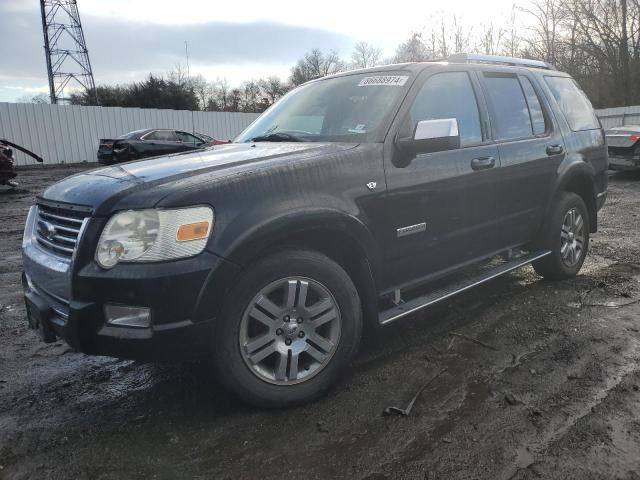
{"points": [[69, 297]]}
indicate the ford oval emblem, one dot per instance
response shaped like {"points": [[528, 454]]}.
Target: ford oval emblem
{"points": [[48, 229]]}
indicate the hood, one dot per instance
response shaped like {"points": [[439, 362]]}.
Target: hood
{"points": [[94, 187]]}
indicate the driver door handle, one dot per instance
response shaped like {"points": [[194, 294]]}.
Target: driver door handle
{"points": [[555, 149], [483, 163]]}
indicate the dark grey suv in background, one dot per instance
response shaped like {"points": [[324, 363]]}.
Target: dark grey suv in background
{"points": [[355, 200]]}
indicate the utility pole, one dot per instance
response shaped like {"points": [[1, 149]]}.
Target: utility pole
{"points": [[68, 65]]}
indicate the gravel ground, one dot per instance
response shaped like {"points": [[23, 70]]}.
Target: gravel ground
{"points": [[549, 390]]}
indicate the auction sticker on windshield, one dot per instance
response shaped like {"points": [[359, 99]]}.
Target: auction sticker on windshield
{"points": [[391, 80]]}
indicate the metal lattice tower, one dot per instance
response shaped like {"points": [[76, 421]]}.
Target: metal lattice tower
{"points": [[68, 62]]}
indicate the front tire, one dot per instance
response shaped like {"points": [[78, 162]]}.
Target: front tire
{"points": [[566, 234], [290, 326]]}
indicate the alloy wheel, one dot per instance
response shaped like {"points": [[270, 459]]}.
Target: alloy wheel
{"points": [[572, 238], [290, 330]]}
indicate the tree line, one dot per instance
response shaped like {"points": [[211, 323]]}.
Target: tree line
{"points": [[596, 41]]}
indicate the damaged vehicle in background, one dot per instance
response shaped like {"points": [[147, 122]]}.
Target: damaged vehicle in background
{"points": [[7, 168], [151, 142], [354, 201], [623, 144]]}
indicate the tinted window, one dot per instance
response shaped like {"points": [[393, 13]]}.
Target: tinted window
{"points": [[449, 95], [573, 102], [535, 109], [162, 136], [509, 107]]}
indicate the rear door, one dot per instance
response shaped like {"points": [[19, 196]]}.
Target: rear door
{"points": [[439, 204], [530, 146]]}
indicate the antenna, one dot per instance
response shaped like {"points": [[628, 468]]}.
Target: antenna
{"points": [[186, 53], [65, 49]]}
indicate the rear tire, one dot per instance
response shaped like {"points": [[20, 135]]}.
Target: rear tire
{"points": [[290, 326], [566, 235]]}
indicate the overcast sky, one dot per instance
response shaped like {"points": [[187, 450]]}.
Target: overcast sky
{"points": [[237, 40]]}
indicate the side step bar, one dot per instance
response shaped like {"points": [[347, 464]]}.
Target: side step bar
{"points": [[415, 304]]}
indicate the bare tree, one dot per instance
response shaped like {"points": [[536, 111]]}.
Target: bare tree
{"points": [[315, 64], [490, 41], [251, 91], [544, 41], [221, 88], [365, 55], [412, 50], [273, 88]]}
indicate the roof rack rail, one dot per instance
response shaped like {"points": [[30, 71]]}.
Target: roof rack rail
{"points": [[499, 60]]}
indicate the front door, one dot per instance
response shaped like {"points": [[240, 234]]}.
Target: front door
{"points": [[440, 203]]}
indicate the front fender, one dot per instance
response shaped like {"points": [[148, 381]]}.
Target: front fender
{"points": [[251, 235]]}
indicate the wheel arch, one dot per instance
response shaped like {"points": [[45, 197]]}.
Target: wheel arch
{"points": [[339, 236], [579, 178]]}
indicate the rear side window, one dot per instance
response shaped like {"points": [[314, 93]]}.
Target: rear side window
{"points": [[573, 103], [162, 136], [511, 118], [449, 95], [535, 109]]}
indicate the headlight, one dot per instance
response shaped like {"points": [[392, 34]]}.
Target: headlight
{"points": [[154, 235]]}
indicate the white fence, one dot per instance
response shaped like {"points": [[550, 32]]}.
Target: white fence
{"points": [[70, 134], [616, 117]]}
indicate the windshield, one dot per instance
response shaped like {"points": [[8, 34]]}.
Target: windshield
{"points": [[352, 108]]}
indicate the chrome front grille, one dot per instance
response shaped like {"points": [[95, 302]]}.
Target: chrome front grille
{"points": [[58, 228]]}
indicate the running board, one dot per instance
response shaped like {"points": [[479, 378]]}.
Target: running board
{"points": [[415, 304]]}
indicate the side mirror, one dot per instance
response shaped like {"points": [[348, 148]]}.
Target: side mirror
{"points": [[432, 136]]}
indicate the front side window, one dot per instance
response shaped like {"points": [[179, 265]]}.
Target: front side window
{"points": [[351, 108], [574, 104], [449, 95], [510, 117]]}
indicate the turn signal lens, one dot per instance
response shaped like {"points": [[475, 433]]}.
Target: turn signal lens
{"points": [[192, 231]]}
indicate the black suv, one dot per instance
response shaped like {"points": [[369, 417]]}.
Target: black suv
{"points": [[353, 201]]}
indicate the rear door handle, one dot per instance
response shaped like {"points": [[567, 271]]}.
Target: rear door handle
{"points": [[555, 149], [483, 163]]}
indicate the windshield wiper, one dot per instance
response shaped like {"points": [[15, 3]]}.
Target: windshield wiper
{"points": [[277, 137]]}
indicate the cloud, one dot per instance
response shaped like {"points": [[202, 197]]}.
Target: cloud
{"points": [[121, 51]]}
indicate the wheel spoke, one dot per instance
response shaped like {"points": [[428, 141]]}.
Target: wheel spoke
{"points": [[316, 354], [258, 343], [302, 294], [564, 250], [320, 341], [261, 317], [266, 304], [290, 298], [579, 223], [324, 318], [281, 367], [260, 355], [319, 307], [293, 368]]}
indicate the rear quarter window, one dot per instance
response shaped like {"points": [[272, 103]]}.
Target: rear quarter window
{"points": [[573, 103]]}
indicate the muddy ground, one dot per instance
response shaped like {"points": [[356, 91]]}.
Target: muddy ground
{"points": [[551, 389]]}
